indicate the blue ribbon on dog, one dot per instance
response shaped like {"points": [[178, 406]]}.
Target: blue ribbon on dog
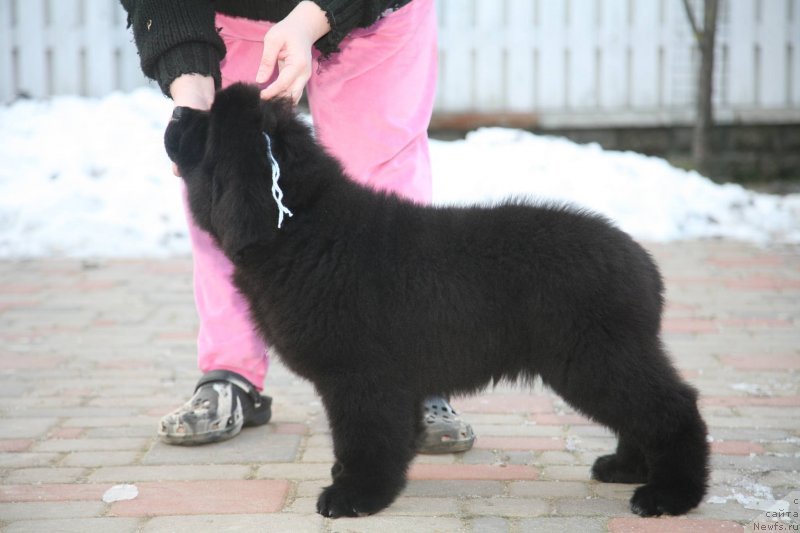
{"points": [[277, 193]]}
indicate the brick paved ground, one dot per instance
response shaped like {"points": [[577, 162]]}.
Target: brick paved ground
{"points": [[93, 353]]}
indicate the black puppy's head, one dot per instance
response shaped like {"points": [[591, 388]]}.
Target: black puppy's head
{"points": [[222, 156]]}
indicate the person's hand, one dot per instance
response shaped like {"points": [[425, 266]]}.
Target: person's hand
{"points": [[192, 90], [288, 45]]}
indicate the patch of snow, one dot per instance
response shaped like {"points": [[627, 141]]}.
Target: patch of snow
{"points": [[86, 177]]}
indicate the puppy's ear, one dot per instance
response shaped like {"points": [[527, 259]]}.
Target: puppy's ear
{"points": [[185, 137], [273, 112], [239, 232]]}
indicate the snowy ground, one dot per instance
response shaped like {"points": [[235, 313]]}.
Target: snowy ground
{"points": [[86, 177]]}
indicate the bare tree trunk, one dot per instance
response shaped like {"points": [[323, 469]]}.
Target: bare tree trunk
{"points": [[705, 36]]}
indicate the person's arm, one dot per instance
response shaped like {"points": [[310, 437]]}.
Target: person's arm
{"points": [[346, 15], [175, 38], [193, 90], [319, 23]]}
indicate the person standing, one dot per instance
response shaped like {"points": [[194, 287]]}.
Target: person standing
{"points": [[369, 70]]}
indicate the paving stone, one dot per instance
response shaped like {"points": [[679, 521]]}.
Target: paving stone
{"points": [[70, 445], [129, 474], [504, 404], [489, 524], [755, 463], [15, 445], [403, 506], [423, 471], [320, 471], [143, 431], [45, 475], [453, 488], [415, 506], [519, 443], [26, 460], [591, 507], [76, 525], [553, 524], [549, 489], [566, 473], [273, 523], [671, 525], [736, 447], [506, 457], [100, 458], [396, 524], [507, 507], [318, 454], [441, 459], [731, 510], [613, 490], [204, 497], [26, 428], [10, 512], [556, 458], [529, 430], [249, 447], [106, 422]]}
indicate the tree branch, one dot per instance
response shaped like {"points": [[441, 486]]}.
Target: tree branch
{"points": [[698, 33]]}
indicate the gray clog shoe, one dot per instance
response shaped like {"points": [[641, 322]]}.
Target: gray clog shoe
{"points": [[445, 432], [223, 403]]}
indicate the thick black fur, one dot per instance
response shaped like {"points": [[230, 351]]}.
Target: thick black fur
{"points": [[380, 302]]}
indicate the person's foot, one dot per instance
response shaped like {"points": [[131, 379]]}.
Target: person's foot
{"points": [[222, 404], [445, 432]]}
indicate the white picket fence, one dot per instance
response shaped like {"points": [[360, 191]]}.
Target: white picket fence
{"points": [[50, 47], [569, 62]]}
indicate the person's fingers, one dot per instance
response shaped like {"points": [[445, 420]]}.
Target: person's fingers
{"points": [[297, 91], [288, 78], [269, 57]]}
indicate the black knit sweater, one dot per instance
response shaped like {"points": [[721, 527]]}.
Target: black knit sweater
{"points": [[177, 37]]}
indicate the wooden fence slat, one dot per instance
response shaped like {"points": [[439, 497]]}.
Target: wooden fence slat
{"points": [[491, 65], [99, 48], [742, 64], [644, 45], [552, 45], [30, 44], [582, 45], [772, 38], [520, 39], [64, 42], [456, 65], [613, 43], [6, 66], [129, 69], [794, 59]]}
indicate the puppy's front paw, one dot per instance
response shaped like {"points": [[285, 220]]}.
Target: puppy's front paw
{"points": [[336, 501], [653, 500]]}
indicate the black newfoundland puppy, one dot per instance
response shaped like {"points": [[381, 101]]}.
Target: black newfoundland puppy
{"points": [[380, 302]]}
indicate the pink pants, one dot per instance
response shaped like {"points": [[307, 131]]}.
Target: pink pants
{"points": [[371, 104]]}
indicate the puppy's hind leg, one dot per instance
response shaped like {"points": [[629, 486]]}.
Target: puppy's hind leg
{"points": [[627, 465], [677, 454], [662, 443], [374, 437]]}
